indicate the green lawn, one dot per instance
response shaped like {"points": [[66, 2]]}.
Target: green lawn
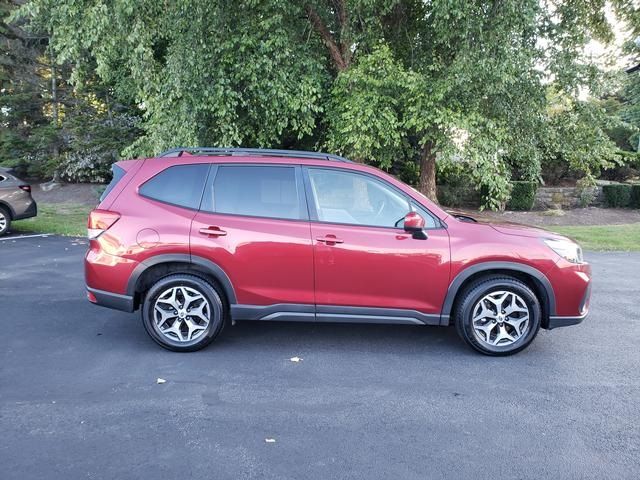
{"points": [[604, 237], [61, 218]]}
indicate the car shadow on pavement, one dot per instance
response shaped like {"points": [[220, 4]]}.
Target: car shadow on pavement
{"points": [[123, 329], [339, 336]]}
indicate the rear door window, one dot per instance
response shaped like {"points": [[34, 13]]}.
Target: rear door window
{"points": [[256, 191], [179, 185]]}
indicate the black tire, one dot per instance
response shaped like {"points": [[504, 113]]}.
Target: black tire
{"points": [[7, 224], [470, 297], [217, 312]]}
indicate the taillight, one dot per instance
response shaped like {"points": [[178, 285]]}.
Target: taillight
{"points": [[100, 221], [26, 188]]}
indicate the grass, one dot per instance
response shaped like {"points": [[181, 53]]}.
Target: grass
{"points": [[604, 238], [62, 218]]}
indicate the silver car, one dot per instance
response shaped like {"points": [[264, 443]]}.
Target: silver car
{"points": [[16, 202]]}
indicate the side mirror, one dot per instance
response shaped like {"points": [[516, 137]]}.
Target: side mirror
{"points": [[414, 224]]}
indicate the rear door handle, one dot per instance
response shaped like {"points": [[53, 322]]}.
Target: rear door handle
{"points": [[213, 231], [329, 239]]}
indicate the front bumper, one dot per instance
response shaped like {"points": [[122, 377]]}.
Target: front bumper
{"points": [[555, 322], [580, 281]]}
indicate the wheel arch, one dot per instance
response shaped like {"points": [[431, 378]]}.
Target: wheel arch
{"points": [[531, 276], [8, 208], [154, 268]]}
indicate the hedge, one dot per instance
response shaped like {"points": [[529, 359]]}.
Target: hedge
{"points": [[635, 196], [457, 196], [523, 195], [616, 195]]}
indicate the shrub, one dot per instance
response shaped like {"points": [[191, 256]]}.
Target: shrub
{"points": [[635, 196], [626, 165], [523, 195], [616, 195], [458, 196], [86, 166], [455, 186]]}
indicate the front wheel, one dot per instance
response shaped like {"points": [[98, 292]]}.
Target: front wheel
{"points": [[183, 313], [498, 315]]}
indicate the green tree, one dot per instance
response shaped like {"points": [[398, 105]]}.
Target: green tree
{"points": [[398, 83], [25, 99], [50, 127], [203, 72], [412, 76], [575, 141]]}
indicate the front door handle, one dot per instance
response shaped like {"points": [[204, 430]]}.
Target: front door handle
{"points": [[329, 239], [213, 231]]}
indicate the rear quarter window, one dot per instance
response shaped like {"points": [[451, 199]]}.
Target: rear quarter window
{"points": [[118, 173], [180, 185]]}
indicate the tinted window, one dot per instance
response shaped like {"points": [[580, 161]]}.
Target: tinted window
{"points": [[260, 191], [179, 185], [2, 178], [345, 197], [118, 173]]}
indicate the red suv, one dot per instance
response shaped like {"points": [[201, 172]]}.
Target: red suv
{"points": [[201, 237]]}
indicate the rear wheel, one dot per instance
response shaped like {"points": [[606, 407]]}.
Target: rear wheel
{"points": [[183, 313], [498, 315], [5, 221]]}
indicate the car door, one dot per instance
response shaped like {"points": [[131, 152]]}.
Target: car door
{"points": [[253, 223], [363, 256]]}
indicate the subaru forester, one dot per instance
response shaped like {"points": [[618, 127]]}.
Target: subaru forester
{"points": [[200, 238]]}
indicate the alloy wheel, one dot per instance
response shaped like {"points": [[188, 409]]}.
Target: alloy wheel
{"points": [[182, 314], [500, 318]]}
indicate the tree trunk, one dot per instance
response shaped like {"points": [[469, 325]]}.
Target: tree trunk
{"points": [[339, 50], [427, 182], [54, 93], [54, 113]]}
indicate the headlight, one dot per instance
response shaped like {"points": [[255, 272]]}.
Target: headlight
{"points": [[567, 249]]}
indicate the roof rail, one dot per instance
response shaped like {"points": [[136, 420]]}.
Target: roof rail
{"points": [[178, 151]]}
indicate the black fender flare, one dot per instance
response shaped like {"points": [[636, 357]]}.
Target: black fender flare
{"points": [[211, 268], [543, 283], [8, 207]]}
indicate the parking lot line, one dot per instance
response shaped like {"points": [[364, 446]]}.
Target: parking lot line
{"points": [[3, 239]]}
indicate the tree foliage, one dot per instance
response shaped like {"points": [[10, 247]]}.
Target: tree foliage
{"points": [[406, 85], [575, 140]]}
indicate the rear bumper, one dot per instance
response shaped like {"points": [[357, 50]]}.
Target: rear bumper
{"points": [[31, 210], [107, 276], [110, 300]]}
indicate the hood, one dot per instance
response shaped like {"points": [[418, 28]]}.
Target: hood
{"points": [[523, 230], [507, 228]]}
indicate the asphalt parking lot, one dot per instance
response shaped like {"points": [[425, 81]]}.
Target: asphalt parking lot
{"points": [[79, 398]]}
